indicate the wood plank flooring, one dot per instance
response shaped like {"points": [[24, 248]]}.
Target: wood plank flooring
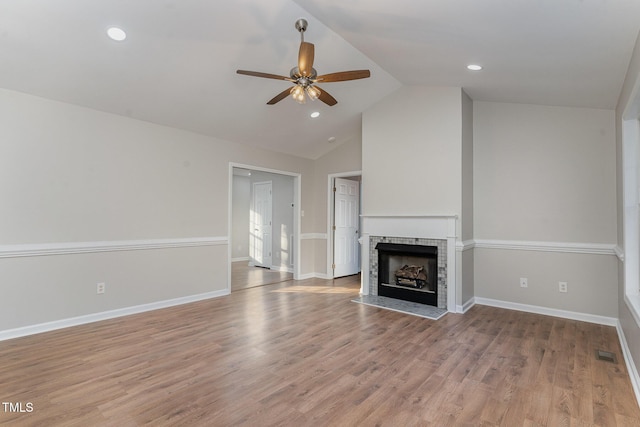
{"points": [[299, 353], [243, 276]]}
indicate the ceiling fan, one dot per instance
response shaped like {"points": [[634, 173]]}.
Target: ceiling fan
{"points": [[305, 77]]}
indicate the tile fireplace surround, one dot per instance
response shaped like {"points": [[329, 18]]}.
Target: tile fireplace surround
{"points": [[440, 230]]}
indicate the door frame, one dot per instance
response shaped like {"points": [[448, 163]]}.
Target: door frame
{"points": [[330, 208], [297, 185]]}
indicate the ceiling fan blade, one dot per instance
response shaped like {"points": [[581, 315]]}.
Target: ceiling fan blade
{"points": [[279, 97], [326, 98], [342, 76], [305, 58], [263, 75]]}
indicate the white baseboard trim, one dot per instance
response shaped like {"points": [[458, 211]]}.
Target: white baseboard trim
{"points": [[105, 315], [628, 360], [40, 249], [244, 258], [466, 306], [313, 276], [583, 317]]}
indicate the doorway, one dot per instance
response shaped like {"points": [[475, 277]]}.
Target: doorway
{"points": [[263, 226], [343, 248]]}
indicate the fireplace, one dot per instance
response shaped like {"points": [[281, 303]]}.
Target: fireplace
{"points": [[429, 254], [408, 272], [422, 230]]}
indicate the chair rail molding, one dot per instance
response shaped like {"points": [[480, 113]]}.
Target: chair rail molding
{"points": [[311, 236], [566, 247], [67, 248]]}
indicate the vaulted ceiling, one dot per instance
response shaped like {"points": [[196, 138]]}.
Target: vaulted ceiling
{"points": [[177, 65]]}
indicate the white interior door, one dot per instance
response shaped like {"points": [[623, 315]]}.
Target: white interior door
{"points": [[261, 232], [346, 253]]}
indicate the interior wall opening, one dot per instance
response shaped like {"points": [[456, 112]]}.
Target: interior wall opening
{"points": [[263, 226]]}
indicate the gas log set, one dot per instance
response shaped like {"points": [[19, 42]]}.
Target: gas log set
{"points": [[412, 276]]}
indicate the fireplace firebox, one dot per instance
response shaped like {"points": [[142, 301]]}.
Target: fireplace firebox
{"points": [[408, 272]]}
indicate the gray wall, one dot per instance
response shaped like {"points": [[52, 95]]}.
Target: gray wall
{"points": [[241, 200], [80, 177], [411, 153], [545, 174]]}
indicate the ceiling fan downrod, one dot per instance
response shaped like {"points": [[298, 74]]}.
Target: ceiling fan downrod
{"points": [[301, 26]]}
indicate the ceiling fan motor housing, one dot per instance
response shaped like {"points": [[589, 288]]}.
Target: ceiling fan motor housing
{"points": [[302, 80]]}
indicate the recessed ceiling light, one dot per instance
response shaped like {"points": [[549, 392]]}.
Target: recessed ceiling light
{"points": [[315, 114], [332, 139], [116, 34], [474, 67]]}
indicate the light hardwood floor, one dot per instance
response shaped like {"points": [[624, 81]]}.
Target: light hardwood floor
{"points": [[243, 276], [302, 354]]}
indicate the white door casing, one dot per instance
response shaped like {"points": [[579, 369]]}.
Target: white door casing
{"points": [[261, 227], [346, 257]]}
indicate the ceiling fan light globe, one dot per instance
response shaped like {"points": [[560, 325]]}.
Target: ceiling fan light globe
{"points": [[297, 90], [297, 93], [313, 92]]}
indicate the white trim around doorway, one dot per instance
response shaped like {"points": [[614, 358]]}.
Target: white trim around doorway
{"points": [[297, 185], [330, 207]]}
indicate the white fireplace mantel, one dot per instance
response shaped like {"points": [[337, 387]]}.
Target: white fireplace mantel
{"points": [[419, 226], [412, 226]]}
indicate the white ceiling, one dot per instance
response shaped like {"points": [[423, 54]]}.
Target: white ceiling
{"points": [[177, 66]]}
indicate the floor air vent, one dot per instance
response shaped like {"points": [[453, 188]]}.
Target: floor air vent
{"points": [[607, 356]]}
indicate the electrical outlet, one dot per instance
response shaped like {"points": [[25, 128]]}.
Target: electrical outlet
{"points": [[563, 287], [523, 282], [100, 288]]}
